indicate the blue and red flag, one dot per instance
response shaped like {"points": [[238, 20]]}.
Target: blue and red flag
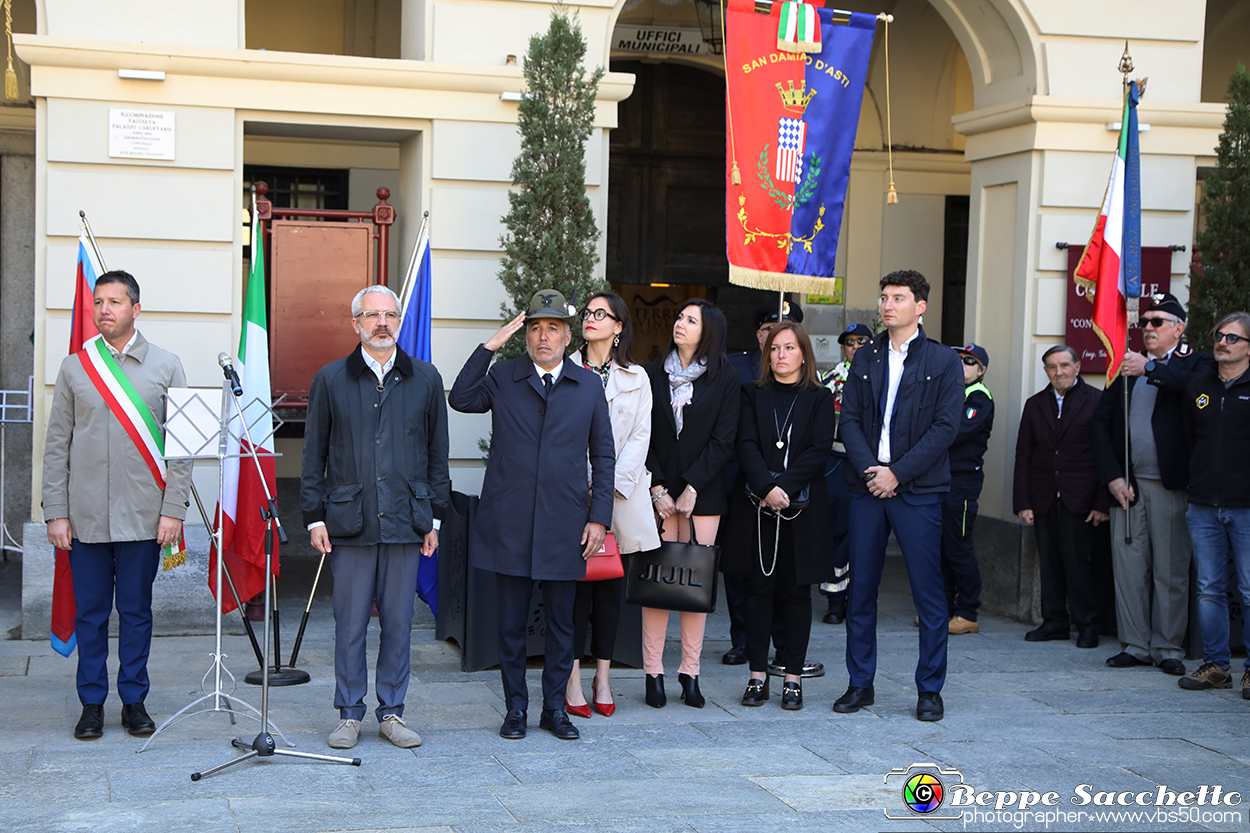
{"points": [[82, 327], [792, 118]]}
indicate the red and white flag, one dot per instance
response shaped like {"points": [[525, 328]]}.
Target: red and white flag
{"points": [[243, 529]]}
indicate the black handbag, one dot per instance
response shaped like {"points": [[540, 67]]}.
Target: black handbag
{"points": [[676, 576]]}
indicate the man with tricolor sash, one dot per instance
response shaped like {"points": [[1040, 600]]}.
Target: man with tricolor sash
{"points": [[110, 499]]}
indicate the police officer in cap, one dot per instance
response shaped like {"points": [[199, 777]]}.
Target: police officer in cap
{"points": [[850, 340], [960, 572]]}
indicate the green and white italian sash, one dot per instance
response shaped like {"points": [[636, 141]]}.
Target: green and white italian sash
{"points": [[136, 419]]}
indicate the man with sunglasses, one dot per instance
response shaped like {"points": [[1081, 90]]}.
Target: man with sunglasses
{"points": [[1150, 549], [1216, 412], [374, 479], [850, 341]]}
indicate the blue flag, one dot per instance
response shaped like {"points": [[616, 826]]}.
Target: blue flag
{"points": [[414, 339]]}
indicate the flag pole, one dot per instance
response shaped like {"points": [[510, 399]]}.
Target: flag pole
{"points": [[1126, 67], [95, 247], [405, 291]]}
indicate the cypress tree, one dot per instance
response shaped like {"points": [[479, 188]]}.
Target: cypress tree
{"points": [[1221, 284], [551, 236]]}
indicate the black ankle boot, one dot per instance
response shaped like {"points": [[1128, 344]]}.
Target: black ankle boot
{"points": [[655, 691], [690, 690]]}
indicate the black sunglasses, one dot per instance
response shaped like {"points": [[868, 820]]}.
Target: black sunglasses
{"points": [[970, 360], [1156, 322], [598, 314], [856, 342], [1231, 338]]}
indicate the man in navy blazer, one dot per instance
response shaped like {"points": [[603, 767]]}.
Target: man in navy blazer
{"points": [[538, 520], [901, 406]]}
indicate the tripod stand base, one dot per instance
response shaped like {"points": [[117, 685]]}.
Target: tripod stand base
{"points": [[262, 746], [278, 677]]}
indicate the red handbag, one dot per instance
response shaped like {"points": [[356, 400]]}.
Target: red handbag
{"points": [[606, 563]]}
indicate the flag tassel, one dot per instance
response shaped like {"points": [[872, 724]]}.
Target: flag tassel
{"points": [[10, 77]]}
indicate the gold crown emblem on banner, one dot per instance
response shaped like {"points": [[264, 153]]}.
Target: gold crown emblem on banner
{"points": [[795, 100]]}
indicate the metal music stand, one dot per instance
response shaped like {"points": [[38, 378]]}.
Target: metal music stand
{"points": [[188, 437], [12, 409]]}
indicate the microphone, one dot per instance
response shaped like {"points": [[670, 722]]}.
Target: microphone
{"points": [[227, 368]]}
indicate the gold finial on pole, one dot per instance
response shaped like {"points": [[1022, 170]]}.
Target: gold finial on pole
{"points": [[1126, 64]]}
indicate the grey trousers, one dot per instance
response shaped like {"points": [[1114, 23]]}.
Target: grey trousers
{"points": [[1152, 573], [387, 572]]}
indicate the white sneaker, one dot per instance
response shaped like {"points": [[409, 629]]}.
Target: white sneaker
{"points": [[394, 729], [346, 735]]}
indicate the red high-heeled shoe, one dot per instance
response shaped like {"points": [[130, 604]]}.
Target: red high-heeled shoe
{"points": [[579, 711], [605, 709]]}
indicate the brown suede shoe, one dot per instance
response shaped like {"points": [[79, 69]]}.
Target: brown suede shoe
{"points": [[959, 624]]}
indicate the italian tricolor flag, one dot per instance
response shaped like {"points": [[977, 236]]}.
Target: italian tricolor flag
{"points": [[243, 530], [1110, 266], [798, 27]]}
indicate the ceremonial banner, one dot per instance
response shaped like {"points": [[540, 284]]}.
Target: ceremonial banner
{"points": [[791, 119], [1110, 268], [243, 527]]}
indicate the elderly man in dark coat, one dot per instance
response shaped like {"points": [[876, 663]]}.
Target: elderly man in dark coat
{"points": [[538, 520]]}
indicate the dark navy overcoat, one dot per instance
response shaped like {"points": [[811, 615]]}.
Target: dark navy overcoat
{"points": [[535, 498]]}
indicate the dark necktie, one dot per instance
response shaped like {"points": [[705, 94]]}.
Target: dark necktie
{"points": [[547, 383]]}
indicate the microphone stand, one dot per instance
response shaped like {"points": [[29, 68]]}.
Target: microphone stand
{"points": [[263, 746]]}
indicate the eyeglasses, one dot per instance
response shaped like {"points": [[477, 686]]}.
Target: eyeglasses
{"points": [[372, 315], [1157, 322], [856, 342], [1231, 338], [971, 361], [598, 314]]}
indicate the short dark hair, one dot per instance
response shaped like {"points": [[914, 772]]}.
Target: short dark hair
{"points": [[810, 376], [1058, 348], [124, 278], [622, 351], [909, 278], [715, 333], [1242, 318]]}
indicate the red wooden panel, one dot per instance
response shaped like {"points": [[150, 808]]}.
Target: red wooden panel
{"points": [[317, 268]]}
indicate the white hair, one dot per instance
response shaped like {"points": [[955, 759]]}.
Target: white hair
{"points": [[376, 289]]}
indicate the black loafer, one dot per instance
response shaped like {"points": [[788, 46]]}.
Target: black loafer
{"points": [[1125, 660], [756, 693], [557, 722], [1174, 667], [1046, 634], [1087, 638], [854, 700], [91, 724], [792, 696], [929, 706], [736, 655], [135, 720], [513, 727]]}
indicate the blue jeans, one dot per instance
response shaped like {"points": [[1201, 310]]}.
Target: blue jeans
{"points": [[1216, 533]]}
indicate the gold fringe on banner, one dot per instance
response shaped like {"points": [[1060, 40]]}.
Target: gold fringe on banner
{"points": [[781, 281], [10, 77]]}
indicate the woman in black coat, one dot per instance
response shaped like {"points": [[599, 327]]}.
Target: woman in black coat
{"points": [[693, 420], [785, 432]]}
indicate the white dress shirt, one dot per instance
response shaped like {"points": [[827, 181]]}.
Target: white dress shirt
{"points": [[380, 369], [894, 360], [555, 371]]}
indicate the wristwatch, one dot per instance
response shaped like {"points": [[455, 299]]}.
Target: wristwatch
{"points": [[1150, 367]]}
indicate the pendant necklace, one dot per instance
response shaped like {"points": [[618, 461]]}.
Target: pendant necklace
{"points": [[781, 443]]}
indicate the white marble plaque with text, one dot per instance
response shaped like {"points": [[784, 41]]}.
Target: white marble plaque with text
{"points": [[141, 134]]}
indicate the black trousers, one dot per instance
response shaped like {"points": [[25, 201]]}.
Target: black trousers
{"points": [[777, 597], [1064, 551], [598, 606], [513, 598], [960, 572]]}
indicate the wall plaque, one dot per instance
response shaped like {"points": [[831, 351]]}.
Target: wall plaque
{"points": [[141, 134]]}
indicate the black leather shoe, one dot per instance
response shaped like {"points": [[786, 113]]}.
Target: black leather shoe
{"points": [[736, 655], [690, 690], [1125, 660], [557, 722], [655, 691], [854, 700], [91, 724], [1174, 667], [792, 696], [513, 727], [1087, 638], [836, 614], [756, 693], [810, 669], [929, 706], [135, 720], [1046, 634]]}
